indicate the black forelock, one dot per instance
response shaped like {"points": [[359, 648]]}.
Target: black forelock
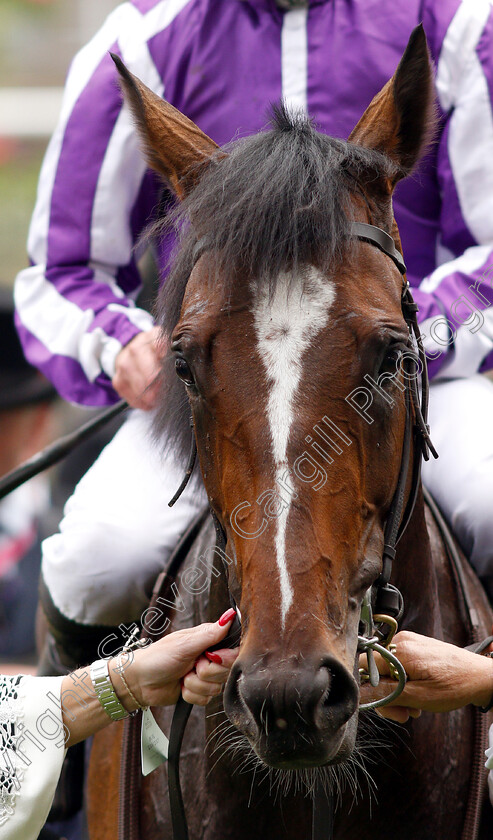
{"points": [[265, 205]]}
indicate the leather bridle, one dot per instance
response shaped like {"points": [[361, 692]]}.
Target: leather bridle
{"points": [[383, 604], [417, 432], [417, 442]]}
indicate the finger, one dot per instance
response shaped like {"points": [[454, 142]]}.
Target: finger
{"points": [[198, 692], [192, 682], [217, 664], [132, 390], [136, 368], [414, 713], [130, 397], [195, 640], [385, 687], [399, 714], [160, 346], [381, 663], [195, 699], [150, 394], [411, 697]]}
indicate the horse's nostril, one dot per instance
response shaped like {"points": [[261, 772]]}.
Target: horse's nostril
{"points": [[338, 688], [282, 704], [341, 698]]}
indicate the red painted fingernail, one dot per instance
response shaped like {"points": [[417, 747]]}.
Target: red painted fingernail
{"points": [[213, 657], [227, 617]]}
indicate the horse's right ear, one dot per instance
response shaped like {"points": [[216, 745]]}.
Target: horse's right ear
{"points": [[174, 146], [400, 120]]}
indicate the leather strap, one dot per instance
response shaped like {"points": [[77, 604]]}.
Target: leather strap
{"points": [[376, 236], [361, 230], [189, 470], [130, 769], [480, 646], [323, 814], [177, 731]]}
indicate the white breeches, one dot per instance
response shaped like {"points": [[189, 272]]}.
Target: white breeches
{"points": [[118, 532], [461, 480]]}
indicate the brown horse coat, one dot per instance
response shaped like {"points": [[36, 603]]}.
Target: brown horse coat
{"points": [[275, 328]]}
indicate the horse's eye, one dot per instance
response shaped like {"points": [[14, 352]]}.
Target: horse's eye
{"points": [[391, 361], [183, 371]]}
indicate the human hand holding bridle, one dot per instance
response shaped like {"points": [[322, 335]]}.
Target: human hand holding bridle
{"points": [[441, 677], [155, 675], [176, 664]]}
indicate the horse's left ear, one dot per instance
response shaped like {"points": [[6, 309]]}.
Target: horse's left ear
{"points": [[400, 120], [175, 147]]}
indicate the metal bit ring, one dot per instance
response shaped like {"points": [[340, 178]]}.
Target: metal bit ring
{"points": [[363, 644]]}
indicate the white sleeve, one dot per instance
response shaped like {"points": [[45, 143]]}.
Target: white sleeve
{"points": [[459, 293], [75, 302], [32, 749]]}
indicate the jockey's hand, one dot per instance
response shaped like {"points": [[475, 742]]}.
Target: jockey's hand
{"points": [[176, 664], [137, 369], [441, 677]]}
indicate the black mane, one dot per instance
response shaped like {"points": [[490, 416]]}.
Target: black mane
{"points": [[264, 205]]}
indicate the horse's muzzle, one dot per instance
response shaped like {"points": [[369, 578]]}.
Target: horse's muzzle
{"points": [[293, 713]]}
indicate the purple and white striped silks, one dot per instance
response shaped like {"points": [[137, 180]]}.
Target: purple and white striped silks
{"points": [[222, 62]]}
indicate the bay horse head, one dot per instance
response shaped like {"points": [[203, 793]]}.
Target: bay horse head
{"points": [[278, 319]]}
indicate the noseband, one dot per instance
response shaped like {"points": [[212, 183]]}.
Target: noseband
{"points": [[383, 603]]}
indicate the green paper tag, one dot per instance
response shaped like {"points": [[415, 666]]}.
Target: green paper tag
{"points": [[154, 743]]}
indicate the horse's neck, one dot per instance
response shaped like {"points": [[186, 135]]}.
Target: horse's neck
{"points": [[414, 574]]}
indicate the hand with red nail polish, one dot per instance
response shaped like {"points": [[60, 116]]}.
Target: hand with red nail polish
{"points": [[181, 662], [213, 657], [227, 617], [211, 670]]}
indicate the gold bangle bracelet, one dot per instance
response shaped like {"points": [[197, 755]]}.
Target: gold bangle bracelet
{"points": [[120, 669]]}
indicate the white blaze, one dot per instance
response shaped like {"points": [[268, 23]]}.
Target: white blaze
{"points": [[286, 324]]}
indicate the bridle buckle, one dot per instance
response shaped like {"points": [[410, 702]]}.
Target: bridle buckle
{"points": [[375, 639]]}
